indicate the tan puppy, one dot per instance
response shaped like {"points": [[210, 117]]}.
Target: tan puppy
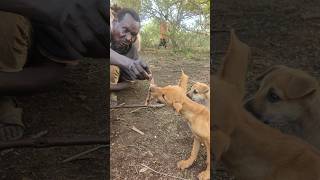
{"points": [[200, 93], [250, 149], [291, 97], [196, 115]]}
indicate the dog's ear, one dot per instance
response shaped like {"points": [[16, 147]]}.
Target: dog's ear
{"points": [[177, 107], [235, 63], [269, 70], [300, 86], [183, 82]]}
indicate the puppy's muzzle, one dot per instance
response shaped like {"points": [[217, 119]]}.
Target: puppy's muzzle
{"points": [[250, 108]]}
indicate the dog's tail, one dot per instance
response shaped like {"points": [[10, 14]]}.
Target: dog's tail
{"points": [[183, 83]]}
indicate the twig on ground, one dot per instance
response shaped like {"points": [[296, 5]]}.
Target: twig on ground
{"points": [[40, 134], [137, 130], [137, 109], [50, 142], [76, 156], [138, 105], [118, 106], [163, 174], [151, 82]]}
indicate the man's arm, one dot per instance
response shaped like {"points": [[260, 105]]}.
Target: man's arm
{"points": [[118, 59], [131, 69], [41, 11]]}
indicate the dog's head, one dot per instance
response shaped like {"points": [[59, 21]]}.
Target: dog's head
{"points": [[283, 95], [199, 93], [170, 95]]}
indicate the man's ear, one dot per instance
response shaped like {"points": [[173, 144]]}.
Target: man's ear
{"points": [[177, 107], [300, 86]]}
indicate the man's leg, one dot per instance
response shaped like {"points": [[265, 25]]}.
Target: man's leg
{"points": [[15, 77], [14, 42]]}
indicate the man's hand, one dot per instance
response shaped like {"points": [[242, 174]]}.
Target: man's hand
{"points": [[136, 69]]}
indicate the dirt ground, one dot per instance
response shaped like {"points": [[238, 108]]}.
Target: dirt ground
{"points": [[75, 107], [167, 138], [280, 32]]}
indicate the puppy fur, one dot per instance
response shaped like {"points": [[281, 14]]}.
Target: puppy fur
{"points": [[200, 93], [291, 97], [196, 115], [250, 149]]}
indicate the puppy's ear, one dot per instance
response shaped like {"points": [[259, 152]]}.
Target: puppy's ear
{"points": [[300, 86], [269, 70], [183, 82], [177, 107], [235, 62]]}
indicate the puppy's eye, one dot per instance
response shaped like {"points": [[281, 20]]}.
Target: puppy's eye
{"points": [[195, 91], [273, 97]]}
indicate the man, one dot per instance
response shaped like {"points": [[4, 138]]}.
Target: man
{"points": [[35, 47], [124, 33], [163, 33], [126, 26]]}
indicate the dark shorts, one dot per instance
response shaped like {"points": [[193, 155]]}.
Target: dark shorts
{"points": [[15, 41]]}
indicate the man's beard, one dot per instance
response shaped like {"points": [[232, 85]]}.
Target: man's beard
{"points": [[120, 47]]}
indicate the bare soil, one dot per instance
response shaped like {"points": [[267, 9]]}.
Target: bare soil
{"points": [[279, 32], [75, 107], [167, 137]]}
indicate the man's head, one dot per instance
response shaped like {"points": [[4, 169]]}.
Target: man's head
{"points": [[126, 26]]}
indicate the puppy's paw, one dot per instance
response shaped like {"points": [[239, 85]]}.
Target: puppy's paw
{"points": [[204, 175], [183, 164]]}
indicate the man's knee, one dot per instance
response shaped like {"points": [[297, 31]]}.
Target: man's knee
{"points": [[15, 41], [114, 74]]}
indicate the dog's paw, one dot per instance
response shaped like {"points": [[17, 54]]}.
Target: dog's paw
{"points": [[204, 175], [183, 164]]}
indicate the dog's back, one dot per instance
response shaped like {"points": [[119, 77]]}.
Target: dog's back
{"points": [[257, 151]]}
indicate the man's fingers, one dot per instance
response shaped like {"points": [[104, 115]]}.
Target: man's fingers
{"points": [[130, 74], [136, 71], [145, 67], [142, 72]]}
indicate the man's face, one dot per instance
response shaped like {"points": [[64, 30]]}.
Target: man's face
{"points": [[124, 33]]}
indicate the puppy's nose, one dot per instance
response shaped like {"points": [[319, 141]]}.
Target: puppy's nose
{"points": [[266, 122], [248, 105], [250, 108]]}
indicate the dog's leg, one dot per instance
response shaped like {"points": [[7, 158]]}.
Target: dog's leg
{"points": [[183, 164], [221, 145], [205, 175]]}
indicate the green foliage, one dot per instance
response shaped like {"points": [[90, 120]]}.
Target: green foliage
{"points": [[178, 13]]}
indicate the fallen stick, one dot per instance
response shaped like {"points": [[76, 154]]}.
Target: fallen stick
{"points": [[137, 109], [163, 174], [137, 130], [138, 105], [151, 82], [76, 156], [51, 142]]}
